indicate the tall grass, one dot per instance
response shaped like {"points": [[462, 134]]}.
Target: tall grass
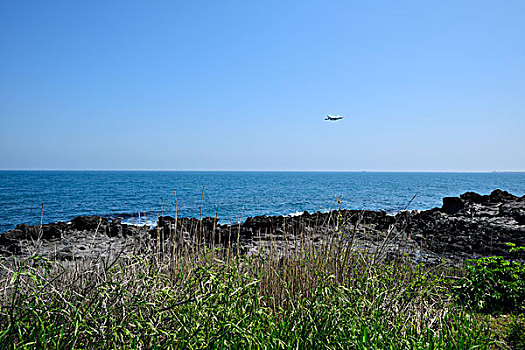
{"points": [[171, 293]]}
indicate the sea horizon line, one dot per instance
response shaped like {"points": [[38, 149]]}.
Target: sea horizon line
{"points": [[267, 171]]}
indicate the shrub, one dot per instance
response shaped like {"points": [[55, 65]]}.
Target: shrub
{"points": [[492, 285]]}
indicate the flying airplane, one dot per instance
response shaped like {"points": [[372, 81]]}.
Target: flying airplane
{"points": [[333, 117]]}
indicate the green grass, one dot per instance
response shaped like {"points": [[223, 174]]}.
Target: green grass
{"points": [[330, 296]]}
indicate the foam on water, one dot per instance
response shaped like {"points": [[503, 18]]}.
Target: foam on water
{"points": [[147, 223]]}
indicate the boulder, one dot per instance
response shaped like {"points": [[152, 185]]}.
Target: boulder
{"points": [[499, 196], [452, 205], [165, 221], [88, 223], [115, 228], [471, 197]]}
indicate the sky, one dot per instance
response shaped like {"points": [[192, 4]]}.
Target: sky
{"points": [[245, 85]]}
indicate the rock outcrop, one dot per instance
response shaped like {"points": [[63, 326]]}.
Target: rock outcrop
{"points": [[470, 225]]}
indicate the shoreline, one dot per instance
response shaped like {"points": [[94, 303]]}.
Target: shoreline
{"points": [[467, 226], [68, 195]]}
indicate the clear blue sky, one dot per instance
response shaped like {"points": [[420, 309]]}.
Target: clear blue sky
{"points": [[245, 85]]}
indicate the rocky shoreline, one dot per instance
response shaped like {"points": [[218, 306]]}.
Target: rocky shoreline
{"points": [[467, 226]]}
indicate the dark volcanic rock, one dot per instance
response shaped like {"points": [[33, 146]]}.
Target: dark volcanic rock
{"points": [[466, 226], [27, 231], [10, 242], [115, 228], [473, 224], [209, 223], [164, 221], [129, 230], [47, 231], [451, 205], [496, 196], [472, 197], [85, 223], [514, 210]]}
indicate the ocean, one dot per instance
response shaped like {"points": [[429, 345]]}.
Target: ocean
{"points": [[139, 197]]}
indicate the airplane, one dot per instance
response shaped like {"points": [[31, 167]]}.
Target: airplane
{"points": [[333, 117]]}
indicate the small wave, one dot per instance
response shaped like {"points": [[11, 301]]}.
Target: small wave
{"points": [[143, 218], [141, 223]]}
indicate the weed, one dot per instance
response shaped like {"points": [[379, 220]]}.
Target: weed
{"points": [[331, 295]]}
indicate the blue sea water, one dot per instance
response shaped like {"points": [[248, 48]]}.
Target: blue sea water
{"points": [[236, 195]]}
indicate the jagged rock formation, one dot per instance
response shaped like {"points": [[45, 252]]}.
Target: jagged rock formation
{"points": [[467, 226]]}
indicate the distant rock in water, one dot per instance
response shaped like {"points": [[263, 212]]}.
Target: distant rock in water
{"points": [[466, 226]]}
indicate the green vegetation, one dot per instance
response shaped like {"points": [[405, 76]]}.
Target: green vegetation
{"points": [[493, 285], [331, 296]]}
